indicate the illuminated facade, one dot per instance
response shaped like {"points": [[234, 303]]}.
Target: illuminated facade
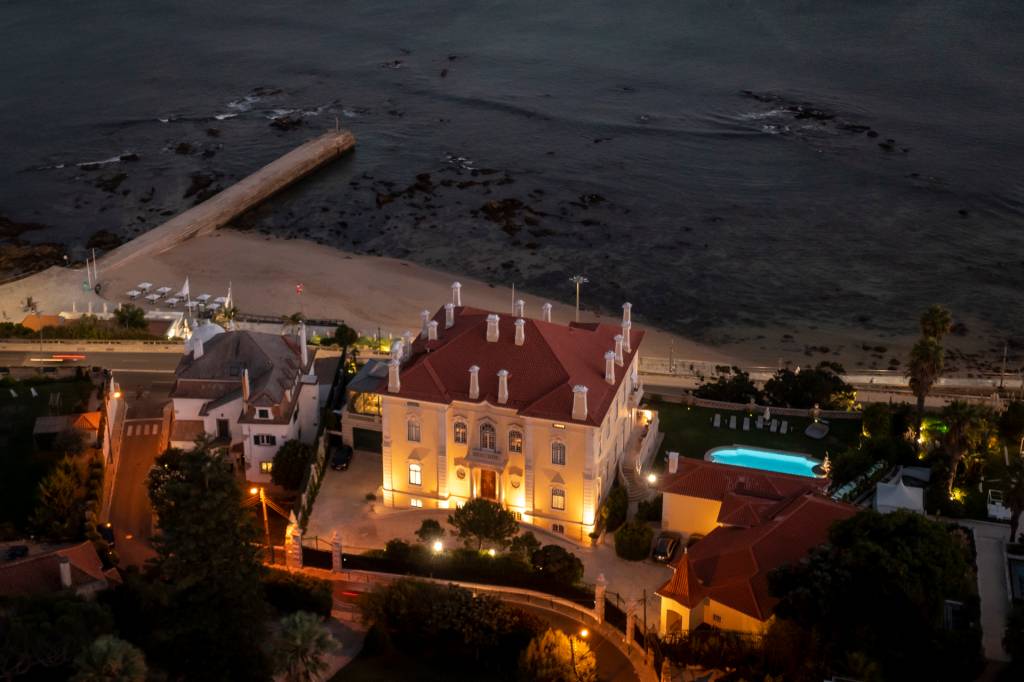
{"points": [[528, 413]]}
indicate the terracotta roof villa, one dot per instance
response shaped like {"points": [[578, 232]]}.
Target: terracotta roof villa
{"points": [[252, 390], [532, 414], [762, 522], [76, 567]]}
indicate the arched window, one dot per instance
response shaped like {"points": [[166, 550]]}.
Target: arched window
{"points": [[558, 499], [461, 433], [412, 432], [515, 441], [558, 453], [488, 437], [415, 474]]}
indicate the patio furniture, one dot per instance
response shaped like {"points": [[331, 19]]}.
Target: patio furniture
{"points": [[221, 299], [172, 301], [213, 307], [760, 423], [203, 298], [134, 294], [817, 430], [732, 422], [775, 426], [717, 422], [144, 286], [746, 423], [163, 291], [153, 298], [784, 427], [191, 304]]}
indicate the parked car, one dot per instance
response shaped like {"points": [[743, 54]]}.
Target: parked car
{"points": [[665, 547], [17, 552], [341, 457]]}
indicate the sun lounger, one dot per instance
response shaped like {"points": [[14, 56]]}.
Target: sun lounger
{"points": [[775, 426], [717, 421], [746, 423], [784, 428], [732, 422], [760, 423], [13, 394], [35, 394]]}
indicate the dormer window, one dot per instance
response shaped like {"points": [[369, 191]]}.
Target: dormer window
{"points": [[262, 413]]}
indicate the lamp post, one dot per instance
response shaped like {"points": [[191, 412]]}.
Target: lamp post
{"points": [[263, 502], [572, 651], [578, 280]]}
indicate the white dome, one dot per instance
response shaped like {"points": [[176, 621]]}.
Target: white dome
{"points": [[205, 332]]}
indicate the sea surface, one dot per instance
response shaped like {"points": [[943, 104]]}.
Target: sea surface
{"points": [[723, 163]]}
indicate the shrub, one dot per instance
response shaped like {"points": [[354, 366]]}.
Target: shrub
{"points": [[558, 564], [524, 545], [290, 592], [633, 541], [551, 657], [615, 507], [649, 510], [430, 530], [398, 550], [736, 388]]}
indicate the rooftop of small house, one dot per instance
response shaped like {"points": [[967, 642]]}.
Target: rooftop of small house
{"points": [[544, 366]]}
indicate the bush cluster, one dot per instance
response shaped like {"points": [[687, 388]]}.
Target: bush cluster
{"points": [[633, 541], [290, 592]]}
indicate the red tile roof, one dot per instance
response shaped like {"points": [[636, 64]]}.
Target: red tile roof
{"points": [[714, 481], [40, 574], [542, 372], [731, 565]]}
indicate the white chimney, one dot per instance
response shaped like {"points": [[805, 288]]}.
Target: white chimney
{"points": [[502, 386], [627, 312], [302, 345], [609, 367], [407, 338], [432, 330], [424, 320], [65, 572], [492, 328], [618, 350], [457, 294], [520, 331], [579, 403], [245, 385], [474, 383], [449, 315], [197, 347], [626, 327], [394, 381], [545, 312], [673, 462], [397, 350], [518, 310]]}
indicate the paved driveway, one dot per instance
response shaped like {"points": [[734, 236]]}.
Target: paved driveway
{"points": [[990, 539], [130, 512], [341, 506]]}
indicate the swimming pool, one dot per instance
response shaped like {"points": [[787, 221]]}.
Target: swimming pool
{"points": [[768, 460]]}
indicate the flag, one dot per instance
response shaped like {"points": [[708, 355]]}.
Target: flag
{"points": [[228, 302], [298, 289], [184, 289]]}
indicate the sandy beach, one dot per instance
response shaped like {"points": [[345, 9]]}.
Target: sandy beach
{"points": [[372, 292]]}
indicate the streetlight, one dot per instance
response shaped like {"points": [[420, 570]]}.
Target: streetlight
{"points": [[572, 650], [578, 280], [438, 546], [263, 501], [652, 478], [491, 552]]}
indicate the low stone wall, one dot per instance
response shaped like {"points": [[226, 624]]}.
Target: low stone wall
{"points": [[91, 345], [776, 411]]}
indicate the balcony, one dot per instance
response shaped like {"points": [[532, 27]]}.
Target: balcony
{"points": [[489, 458]]}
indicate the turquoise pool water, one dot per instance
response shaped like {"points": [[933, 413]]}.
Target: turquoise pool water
{"points": [[768, 460]]}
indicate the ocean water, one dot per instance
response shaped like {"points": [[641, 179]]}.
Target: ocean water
{"points": [[722, 163]]}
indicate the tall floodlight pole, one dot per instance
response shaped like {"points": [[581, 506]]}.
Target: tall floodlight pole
{"points": [[578, 280]]}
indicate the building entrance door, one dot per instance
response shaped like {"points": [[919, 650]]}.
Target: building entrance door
{"points": [[488, 484], [223, 430]]}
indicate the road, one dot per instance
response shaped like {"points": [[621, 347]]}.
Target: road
{"points": [[113, 360]]}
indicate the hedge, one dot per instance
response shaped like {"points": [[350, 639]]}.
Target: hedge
{"points": [[290, 592]]}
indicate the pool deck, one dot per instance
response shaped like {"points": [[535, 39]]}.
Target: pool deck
{"points": [[767, 455]]}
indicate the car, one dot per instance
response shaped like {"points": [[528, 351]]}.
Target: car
{"points": [[106, 531], [17, 552], [341, 457], [665, 547]]}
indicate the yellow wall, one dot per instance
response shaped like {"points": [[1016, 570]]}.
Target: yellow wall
{"points": [[688, 515], [676, 617]]}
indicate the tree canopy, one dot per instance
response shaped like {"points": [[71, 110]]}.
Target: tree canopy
{"points": [[822, 386], [558, 564], [737, 387], [291, 461], [301, 647], [553, 656], [130, 317], [208, 565], [936, 322], [60, 508], [481, 520], [110, 659], [875, 598]]}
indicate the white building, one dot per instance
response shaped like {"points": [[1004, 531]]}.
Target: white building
{"points": [[529, 413], [248, 391]]}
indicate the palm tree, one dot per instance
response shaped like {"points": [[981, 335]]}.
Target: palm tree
{"points": [[936, 322], [1014, 496], [969, 427], [302, 645], [290, 323], [109, 659], [924, 369], [346, 337]]}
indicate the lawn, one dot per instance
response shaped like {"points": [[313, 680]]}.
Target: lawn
{"points": [[21, 466], [689, 431]]}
